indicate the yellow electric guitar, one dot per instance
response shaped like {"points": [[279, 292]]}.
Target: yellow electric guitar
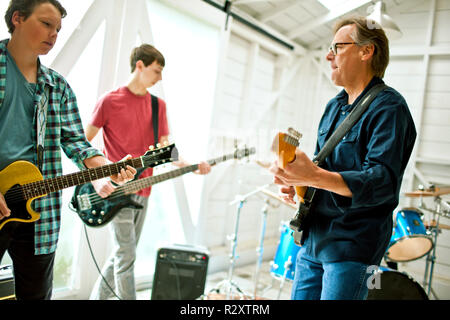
{"points": [[284, 146], [21, 182]]}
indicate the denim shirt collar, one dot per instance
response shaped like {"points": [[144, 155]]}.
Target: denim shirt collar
{"points": [[342, 96]]}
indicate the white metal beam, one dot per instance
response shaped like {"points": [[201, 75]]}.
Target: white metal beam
{"points": [[330, 16], [252, 36], [215, 177], [412, 51], [275, 95], [273, 13], [114, 17], [298, 49], [130, 29], [73, 48], [249, 79]]}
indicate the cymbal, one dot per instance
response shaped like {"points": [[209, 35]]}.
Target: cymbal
{"points": [[428, 193], [432, 223], [275, 196]]}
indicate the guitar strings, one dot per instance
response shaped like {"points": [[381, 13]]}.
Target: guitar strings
{"points": [[94, 198], [19, 194]]}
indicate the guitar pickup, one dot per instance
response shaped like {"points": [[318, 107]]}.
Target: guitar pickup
{"points": [[83, 202]]}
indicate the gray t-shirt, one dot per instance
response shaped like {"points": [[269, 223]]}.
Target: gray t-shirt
{"points": [[16, 116]]}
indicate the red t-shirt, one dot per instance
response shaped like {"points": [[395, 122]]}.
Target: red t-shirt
{"points": [[126, 120]]}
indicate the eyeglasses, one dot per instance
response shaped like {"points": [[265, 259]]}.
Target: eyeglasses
{"points": [[333, 48]]}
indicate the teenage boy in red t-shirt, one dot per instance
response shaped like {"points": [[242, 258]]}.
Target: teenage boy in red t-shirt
{"points": [[125, 115]]}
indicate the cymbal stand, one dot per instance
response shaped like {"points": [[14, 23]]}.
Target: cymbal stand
{"points": [[287, 265], [260, 249], [431, 257], [229, 284]]}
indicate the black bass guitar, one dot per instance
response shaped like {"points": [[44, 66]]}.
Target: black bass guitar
{"points": [[21, 182], [96, 211]]}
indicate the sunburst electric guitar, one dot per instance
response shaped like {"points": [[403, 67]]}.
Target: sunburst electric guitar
{"points": [[284, 146], [21, 182], [95, 211]]}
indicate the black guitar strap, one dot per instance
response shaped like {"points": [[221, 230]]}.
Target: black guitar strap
{"points": [[348, 122], [155, 122], [155, 113], [335, 138]]}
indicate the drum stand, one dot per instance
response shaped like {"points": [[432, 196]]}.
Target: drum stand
{"points": [[431, 257], [259, 250], [287, 265], [229, 284]]}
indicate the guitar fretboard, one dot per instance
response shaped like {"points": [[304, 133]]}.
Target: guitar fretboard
{"points": [[41, 187], [140, 184]]}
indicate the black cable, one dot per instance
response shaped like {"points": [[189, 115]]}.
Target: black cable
{"points": [[92, 255], [96, 265]]}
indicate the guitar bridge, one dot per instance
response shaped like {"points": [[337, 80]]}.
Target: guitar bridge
{"points": [[83, 202]]}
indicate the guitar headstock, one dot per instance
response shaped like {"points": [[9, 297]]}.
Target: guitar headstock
{"points": [[242, 153], [161, 155], [284, 145]]}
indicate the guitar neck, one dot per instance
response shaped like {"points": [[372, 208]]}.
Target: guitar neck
{"points": [[140, 184], [42, 187]]}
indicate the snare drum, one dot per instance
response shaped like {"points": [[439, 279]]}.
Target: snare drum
{"points": [[283, 265], [395, 285], [409, 240]]}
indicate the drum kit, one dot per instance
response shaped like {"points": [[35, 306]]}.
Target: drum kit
{"points": [[412, 238]]}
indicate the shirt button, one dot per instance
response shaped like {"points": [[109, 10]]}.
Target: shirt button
{"points": [[343, 113]]}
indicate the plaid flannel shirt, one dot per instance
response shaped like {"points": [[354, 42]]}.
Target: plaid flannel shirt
{"points": [[63, 130]]}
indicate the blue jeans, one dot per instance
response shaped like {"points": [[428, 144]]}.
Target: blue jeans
{"points": [[315, 280], [118, 271]]}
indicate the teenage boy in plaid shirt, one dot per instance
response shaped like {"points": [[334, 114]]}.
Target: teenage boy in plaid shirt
{"points": [[34, 27]]}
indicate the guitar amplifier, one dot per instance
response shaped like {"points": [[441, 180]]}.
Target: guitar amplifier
{"points": [[180, 273], [6, 283]]}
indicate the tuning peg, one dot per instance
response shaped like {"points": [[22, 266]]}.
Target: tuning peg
{"points": [[294, 133], [166, 143], [151, 147], [158, 145]]}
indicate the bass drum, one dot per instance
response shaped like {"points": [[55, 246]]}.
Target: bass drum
{"points": [[395, 285]]}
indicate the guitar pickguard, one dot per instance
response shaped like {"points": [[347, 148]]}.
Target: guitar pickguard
{"points": [[18, 206]]}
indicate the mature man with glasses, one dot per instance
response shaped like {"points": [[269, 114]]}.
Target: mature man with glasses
{"points": [[357, 187]]}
